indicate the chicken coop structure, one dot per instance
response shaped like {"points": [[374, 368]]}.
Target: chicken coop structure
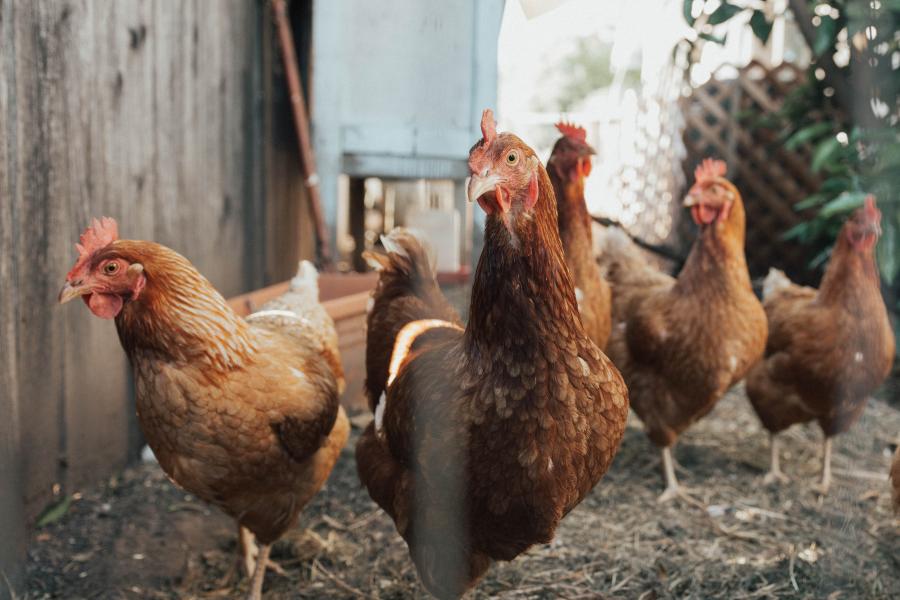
{"points": [[397, 93]]}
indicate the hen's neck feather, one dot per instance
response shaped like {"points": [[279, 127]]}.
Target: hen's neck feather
{"points": [[574, 221], [180, 316], [851, 278], [717, 259], [521, 292]]}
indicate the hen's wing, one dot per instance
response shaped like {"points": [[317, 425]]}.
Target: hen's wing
{"points": [[795, 350], [310, 325], [406, 291], [247, 440], [412, 462], [629, 274]]}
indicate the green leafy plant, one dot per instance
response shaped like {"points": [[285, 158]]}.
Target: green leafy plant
{"points": [[847, 114], [702, 20]]}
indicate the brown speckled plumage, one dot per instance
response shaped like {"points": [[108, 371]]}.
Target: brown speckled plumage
{"points": [[828, 349], [577, 241], [491, 435], [681, 343], [243, 414]]}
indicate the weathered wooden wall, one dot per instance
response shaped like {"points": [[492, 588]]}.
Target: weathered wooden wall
{"points": [[153, 112]]}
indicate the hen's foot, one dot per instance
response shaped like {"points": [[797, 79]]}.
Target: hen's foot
{"points": [[775, 477], [680, 492], [822, 487], [668, 495]]}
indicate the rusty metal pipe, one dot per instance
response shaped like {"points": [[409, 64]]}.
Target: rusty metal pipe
{"points": [[301, 122]]}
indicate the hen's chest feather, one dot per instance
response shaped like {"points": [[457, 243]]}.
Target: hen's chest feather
{"points": [[214, 432], [543, 426], [708, 341]]}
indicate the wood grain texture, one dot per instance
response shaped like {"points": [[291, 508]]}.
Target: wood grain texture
{"points": [[12, 550], [153, 113]]}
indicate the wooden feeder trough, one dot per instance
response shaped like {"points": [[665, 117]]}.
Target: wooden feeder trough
{"points": [[344, 298]]}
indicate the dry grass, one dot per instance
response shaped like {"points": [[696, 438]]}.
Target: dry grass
{"points": [[139, 537]]}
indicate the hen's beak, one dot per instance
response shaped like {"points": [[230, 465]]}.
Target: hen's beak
{"points": [[70, 291], [479, 185], [691, 200]]}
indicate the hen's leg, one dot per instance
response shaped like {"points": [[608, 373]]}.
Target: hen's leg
{"points": [[249, 550], [823, 485], [250, 554], [259, 573], [775, 474], [671, 491]]}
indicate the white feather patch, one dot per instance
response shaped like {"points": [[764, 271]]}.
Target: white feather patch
{"points": [[306, 276], [585, 370], [373, 262], [393, 247], [405, 340], [275, 312]]}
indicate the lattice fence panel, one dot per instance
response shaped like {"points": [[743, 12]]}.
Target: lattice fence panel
{"points": [[644, 184], [771, 179]]}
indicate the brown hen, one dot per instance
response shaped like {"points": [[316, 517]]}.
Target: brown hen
{"points": [[828, 349], [242, 414], [681, 343], [568, 166], [487, 436]]}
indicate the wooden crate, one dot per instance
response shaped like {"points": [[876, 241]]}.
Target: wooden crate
{"points": [[344, 298]]}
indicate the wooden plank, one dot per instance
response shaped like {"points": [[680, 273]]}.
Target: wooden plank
{"points": [[12, 517], [39, 251], [103, 77]]}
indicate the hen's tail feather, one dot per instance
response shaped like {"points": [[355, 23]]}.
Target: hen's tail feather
{"points": [[306, 283], [774, 282], [619, 257], [407, 254], [407, 291], [307, 277]]}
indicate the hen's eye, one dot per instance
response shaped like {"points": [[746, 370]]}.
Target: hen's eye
{"points": [[111, 268], [512, 158]]}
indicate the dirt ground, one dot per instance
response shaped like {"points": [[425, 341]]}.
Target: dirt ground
{"points": [[138, 536]]}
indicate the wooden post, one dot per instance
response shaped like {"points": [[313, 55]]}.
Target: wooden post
{"points": [[357, 208]]}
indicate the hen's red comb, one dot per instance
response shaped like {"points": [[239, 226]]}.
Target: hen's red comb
{"points": [[572, 131], [97, 236], [488, 126], [710, 169], [870, 210]]}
